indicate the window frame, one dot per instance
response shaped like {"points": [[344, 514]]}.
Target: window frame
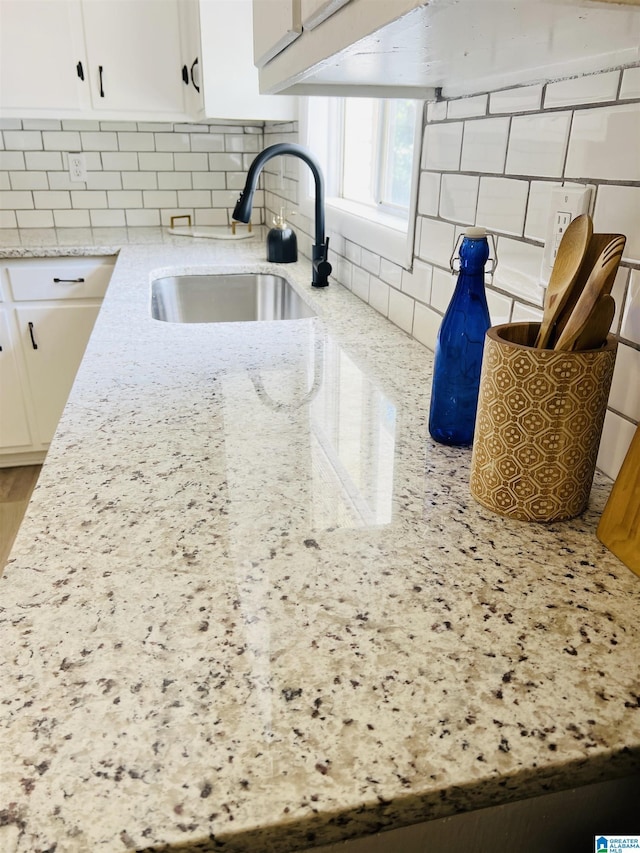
{"points": [[373, 229]]}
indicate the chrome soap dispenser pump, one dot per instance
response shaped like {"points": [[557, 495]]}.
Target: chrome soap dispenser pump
{"points": [[282, 244]]}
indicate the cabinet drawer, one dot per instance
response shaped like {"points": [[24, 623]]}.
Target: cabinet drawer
{"points": [[70, 278]]}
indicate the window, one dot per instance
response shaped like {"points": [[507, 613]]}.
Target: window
{"points": [[368, 149]]}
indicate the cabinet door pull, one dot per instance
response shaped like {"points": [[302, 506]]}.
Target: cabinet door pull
{"points": [[193, 65], [33, 340], [80, 70], [101, 86], [185, 75], [68, 281]]}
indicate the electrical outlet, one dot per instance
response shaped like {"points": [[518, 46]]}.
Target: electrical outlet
{"points": [[566, 204], [77, 166]]}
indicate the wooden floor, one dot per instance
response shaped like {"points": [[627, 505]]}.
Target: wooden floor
{"points": [[16, 485]]}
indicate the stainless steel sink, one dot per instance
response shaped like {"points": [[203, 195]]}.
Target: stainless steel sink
{"points": [[226, 298]]}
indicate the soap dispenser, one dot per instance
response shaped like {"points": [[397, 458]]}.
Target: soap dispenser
{"points": [[282, 245]]}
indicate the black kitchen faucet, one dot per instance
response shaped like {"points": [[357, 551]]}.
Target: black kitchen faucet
{"points": [[242, 211]]}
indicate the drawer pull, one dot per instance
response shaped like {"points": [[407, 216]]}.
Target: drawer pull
{"points": [[33, 340], [68, 281], [101, 81]]}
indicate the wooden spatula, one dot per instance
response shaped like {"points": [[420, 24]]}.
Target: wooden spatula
{"points": [[571, 252], [597, 326], [599, 282], [619, 527]]}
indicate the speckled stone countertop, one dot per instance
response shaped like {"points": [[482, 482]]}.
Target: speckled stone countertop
{"points": [[253, 606]]}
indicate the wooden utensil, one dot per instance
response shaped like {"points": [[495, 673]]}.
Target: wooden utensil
{"points": [[619, 527], [600, 278], [597, 244], [597, 327], [571, 252]]}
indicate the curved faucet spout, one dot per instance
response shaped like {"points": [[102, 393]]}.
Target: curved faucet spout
{"points": [[242, 210]]}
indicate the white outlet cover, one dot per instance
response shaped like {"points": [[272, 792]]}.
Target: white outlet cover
{"points": [[77, 166], [566, 203]]}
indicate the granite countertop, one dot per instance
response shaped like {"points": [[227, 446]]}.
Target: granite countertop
{"points": [[254, 607]]}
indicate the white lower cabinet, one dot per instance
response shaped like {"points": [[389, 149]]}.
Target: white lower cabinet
{"points": [[54, 338], [14, 425], [48, 310]]}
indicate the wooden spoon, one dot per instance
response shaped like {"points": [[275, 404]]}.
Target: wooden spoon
{"points": [[565, 270], [597, 327], [600, 278]]}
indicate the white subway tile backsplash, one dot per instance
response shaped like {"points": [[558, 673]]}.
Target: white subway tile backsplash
{"points": [[436, 111], [617, 211], [630, 327], [390, 272], [499, 307], [518, 270], [173, 142], [484, 145], [5, 184], [459, 197], [138, 218], [538, 207], [353, 252], [159, 198], [141, 180], [417, 282], [401, 310], [429, 193], [107, 218], [426, 323], [436, 241], [605, 143], [360, 283], [442, 146], [228, 198], [50, 199], [101, 141], [63, 140], [582, 90], [43, 160], [243, 142], [617, 434], [467, 107], [102, 181], [194, 198], [173, 181], [618, 293], [8, 219], [370, 261], [537, 144], [525, 314], [123, 199], [625, 395], [134, 141], [87, 199], [190, 162], [126, 161], [214, 217], [522, 99], [213, 142], [34, 218], [379, 295], [71, 218], [502, 204], [16, 200], [148, 162], [12, 161], [22, 140], [442, 286], [29, 181]]}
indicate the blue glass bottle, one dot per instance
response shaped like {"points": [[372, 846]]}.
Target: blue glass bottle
{"points": [[459, 347]]}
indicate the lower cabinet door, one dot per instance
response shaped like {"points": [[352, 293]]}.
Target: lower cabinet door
{"points": [[54, 339], [14, 427]]}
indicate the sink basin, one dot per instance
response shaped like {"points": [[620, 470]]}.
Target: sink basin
{"points": [[226, 298]]}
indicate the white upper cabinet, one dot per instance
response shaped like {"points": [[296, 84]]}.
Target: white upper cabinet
{"points": [[134, 54], [230, 83], [136, 60], [410, 48], [276, 24], [42, 56], [314, 12]]}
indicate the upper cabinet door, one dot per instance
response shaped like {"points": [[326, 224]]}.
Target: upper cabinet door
{"points": [[134, 53], [276, 23], [42, 57], [314, 12]]}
